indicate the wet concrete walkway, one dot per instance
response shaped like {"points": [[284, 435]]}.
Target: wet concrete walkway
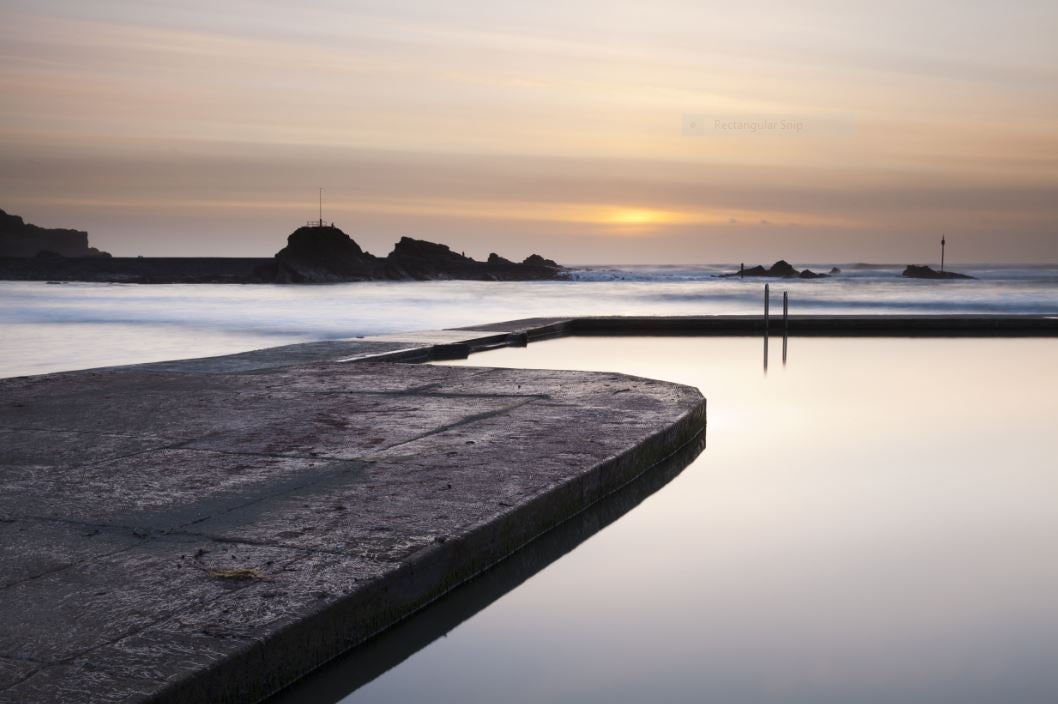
{"points": [[210, 530]]}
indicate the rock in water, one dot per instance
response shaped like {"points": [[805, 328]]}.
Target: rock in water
{"points": [[320, 254], [781, 269], [925, 272], [537, 260], [422, 260]]}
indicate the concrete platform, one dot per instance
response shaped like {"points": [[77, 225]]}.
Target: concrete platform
{"points": [[211, 530]]}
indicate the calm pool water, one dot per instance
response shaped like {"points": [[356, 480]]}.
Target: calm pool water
{"points": [[877, 521]]}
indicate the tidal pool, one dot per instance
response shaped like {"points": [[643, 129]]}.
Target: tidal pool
{"points": [[875, 521]]}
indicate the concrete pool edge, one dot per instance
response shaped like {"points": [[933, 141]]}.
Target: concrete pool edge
{"points": [[944, 325], [429, 575], [249, 669], [458, 343], [392, 646]]}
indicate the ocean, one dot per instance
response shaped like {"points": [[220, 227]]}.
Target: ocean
{"points": [[58, 327]]}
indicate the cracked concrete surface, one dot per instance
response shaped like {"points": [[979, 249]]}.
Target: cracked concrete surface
{"points": [[210, 530]]}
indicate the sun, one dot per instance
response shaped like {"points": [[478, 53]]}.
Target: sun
{"points": [[634, 217]]}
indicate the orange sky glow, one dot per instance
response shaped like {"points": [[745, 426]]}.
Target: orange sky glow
{"points": [[592, 132]]}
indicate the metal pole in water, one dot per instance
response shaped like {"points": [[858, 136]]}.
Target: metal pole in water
{"points": [[942, 243], [766, 325]]}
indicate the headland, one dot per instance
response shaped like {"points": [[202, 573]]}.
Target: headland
{"points": [[315, 253]]}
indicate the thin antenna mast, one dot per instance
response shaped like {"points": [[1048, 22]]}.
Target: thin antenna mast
{"points": [[321, 206], [942, 243]]}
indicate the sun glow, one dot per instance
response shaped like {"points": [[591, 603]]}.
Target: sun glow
{"points": [[635, 217]]}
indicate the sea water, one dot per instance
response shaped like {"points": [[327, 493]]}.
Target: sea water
{"points": [[55, 327]]}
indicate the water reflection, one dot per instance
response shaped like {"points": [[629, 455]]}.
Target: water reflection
{"points": [[765, 351], [785, 346], [785, 324]]}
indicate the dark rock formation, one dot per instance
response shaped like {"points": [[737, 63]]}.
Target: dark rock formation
{"points": [[780, 269], [314, 254], [326, 254], [925, 272], [834, 270], [537, 260], [422, 260], [321, 254], [20, 239]]}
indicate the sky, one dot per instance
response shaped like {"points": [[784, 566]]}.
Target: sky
{"points": [[587, 131]]}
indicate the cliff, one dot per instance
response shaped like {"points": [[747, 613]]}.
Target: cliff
{"points": [[21, 239]]}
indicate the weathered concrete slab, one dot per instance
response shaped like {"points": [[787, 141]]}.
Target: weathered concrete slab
{"points": [[415, 346], [303, 353], [211, 530], [471, 336]]}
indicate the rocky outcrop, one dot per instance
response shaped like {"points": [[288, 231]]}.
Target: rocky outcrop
{"points": [[780, 269], [21, 239], [537, 260], [313, 254], [422, 260], [321, 254], [809, 274], [925, 272]]}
